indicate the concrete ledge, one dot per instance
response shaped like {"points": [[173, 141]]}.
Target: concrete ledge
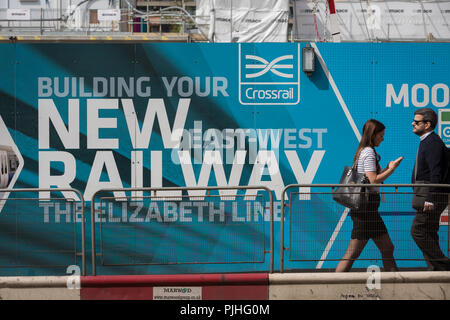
{"points": [[39, 294], [40, 288], [34, 282], [360, 277], [419, 285]]}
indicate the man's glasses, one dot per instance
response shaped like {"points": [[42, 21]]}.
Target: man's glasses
{"points": [[416, 122]]}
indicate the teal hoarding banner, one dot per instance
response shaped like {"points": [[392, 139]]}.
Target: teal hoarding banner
{"points": [[94, 116]]}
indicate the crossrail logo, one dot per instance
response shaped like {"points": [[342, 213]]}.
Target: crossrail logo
{"points": [[269, 78], [11, 162], [444, 126], [266, 66]]}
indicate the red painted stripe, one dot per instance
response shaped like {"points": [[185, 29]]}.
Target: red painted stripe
{"points": [[117, 293], [235, 292], [331, 6], [182, 279], [444, 219], [242, 286], [214, 292]]}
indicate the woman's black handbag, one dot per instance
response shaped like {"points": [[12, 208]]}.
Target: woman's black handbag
{"points": [[348, 196]]}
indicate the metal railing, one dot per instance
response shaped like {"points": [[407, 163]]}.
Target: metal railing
{"points": [[319, 228], [210, 225], [163, 226], [39, 232]]}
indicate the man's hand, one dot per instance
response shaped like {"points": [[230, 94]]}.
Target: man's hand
{"points": [[394, 164], [428, 206]]}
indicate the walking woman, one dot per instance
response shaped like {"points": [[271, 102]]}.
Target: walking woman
{"points": [[367, 222]]}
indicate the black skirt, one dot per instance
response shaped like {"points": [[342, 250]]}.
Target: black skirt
{"points": [[367, 222]]}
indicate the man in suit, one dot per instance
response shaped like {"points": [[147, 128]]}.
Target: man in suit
{"points": [[431, 166]]}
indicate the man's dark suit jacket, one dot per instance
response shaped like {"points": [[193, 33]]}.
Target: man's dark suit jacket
{"points": [[432, 162]]}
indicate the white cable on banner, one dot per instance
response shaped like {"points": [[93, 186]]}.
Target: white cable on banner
{"points": [[212, 22], [365, 20], [314, 10], [334, 26], [326, 21], [424, 22]]}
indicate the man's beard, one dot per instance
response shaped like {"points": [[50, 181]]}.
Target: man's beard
{"points": [[419, 132]]}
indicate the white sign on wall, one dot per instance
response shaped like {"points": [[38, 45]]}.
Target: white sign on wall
{"points": [[18, 14], [108, 14]]}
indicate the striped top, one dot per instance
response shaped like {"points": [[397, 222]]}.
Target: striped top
{"points": [[367, 162]]}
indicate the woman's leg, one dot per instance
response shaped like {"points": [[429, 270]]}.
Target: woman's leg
{"points": [[386, 248], [354, 249]]}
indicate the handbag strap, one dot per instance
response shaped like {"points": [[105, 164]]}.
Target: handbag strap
{"points": [[355, 165], [355, 162]]}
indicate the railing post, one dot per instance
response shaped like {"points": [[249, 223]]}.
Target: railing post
{"points": [[93, 252], [282, 230]]}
